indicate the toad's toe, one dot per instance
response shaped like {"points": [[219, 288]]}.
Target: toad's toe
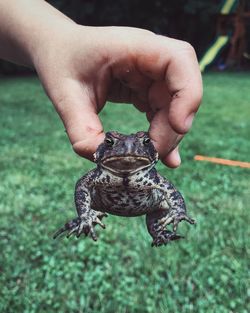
{"points": [[164, 237]]}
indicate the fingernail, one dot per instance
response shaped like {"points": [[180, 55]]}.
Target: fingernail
{"points": [[177, 158], [189, 121]]}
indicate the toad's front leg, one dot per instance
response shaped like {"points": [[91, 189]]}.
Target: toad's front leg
{"points": [[174, 203], [159, 233], [87, 217], [172, 209]]}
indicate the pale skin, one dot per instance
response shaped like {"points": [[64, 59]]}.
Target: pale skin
{"points": [[82, 67]]}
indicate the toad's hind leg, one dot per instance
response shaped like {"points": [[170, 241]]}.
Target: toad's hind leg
{"points": [[160, 235]]}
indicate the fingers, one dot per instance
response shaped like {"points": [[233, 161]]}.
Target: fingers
{"points": [[129, 85], [129, 70], [173, 158], [166, 145], [174, 62], [184, 83], [165, 139], [76, 107], [175, 95]]}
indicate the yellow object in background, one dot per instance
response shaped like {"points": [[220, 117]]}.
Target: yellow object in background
{"points": [[213, 51]]}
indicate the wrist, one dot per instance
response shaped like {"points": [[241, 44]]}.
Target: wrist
{"points": [[50, 42], [25, 26]]}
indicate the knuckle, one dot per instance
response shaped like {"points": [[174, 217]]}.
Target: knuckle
{"points": [[188, 48]]}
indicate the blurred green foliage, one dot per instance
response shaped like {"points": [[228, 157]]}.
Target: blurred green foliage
{"points": [[206, 272]]}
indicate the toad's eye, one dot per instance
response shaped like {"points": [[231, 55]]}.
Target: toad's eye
{"points": [[146, 141], [109, 141]]}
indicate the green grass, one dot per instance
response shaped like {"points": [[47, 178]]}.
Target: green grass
{"points": [[206, 272]]}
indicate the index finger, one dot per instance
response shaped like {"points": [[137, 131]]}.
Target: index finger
{"points": [[184, 82], [174, 62]]}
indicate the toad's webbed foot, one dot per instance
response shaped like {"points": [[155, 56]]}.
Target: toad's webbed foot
{"points": [[84, 224], [163, 237], [175, 217], [157, 222]]}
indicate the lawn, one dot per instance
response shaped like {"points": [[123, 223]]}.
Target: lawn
{"points": [[208, 271]]}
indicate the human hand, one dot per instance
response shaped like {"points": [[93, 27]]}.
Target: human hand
{"points": [[83, 67]]}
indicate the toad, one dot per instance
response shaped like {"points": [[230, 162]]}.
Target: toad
{"points": [[126, 183]]}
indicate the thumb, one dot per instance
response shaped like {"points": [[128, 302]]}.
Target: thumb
{"points": [[75, 103]]}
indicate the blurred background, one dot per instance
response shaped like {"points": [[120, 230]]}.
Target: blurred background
{"points": [[208, 271]]}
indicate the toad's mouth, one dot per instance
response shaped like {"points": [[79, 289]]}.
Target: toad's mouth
{"points": [[126, 164]]}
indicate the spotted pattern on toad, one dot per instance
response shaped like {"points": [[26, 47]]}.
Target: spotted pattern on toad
{"points": [[126, 183]]}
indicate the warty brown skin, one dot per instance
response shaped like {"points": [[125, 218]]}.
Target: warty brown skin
{"points": [[126, 183]]}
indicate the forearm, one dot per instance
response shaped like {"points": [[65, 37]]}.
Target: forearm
{"points": [[25, 25]]}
